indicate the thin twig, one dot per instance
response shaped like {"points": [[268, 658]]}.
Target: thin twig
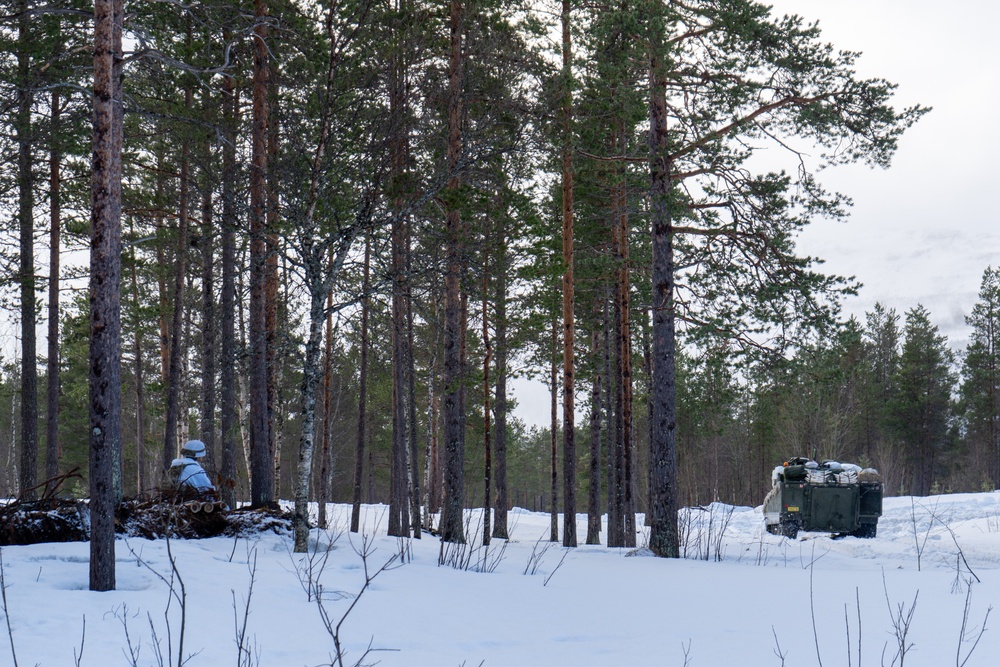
{"points": [[6, 609]]}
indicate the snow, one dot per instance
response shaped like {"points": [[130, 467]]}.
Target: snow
{"points": [[739, 595]]}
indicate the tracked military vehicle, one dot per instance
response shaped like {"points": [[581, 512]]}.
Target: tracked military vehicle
{"points": [[839, 498]]}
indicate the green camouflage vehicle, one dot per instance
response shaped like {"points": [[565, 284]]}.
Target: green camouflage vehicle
{"points": [[839, 498]]}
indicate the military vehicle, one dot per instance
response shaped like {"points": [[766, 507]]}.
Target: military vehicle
{"points": [[839, 498]]}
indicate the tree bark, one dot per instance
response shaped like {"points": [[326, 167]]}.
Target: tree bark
{"points": [[487, 361], [663, 538], [454, 370], [177, 320], [500, 529], [52, 449], [28, 472], [323, 492], [415, 495], [275, 361], [105, 296], [569, 419], [261, 456], [625, 343], [594, 498], [554, 434], [399, 482], [362, 390], [616, 489], [433, 480], [140, 390], [310, 380], [208, 351], [228, 415]]}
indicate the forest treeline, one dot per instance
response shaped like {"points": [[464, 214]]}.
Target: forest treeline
{"points": [[346, 226]]}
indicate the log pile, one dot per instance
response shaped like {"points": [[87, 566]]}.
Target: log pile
{"points": [[155, 516]]}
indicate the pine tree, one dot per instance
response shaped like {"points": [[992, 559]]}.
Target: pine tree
{"points": [[923, 409], [105, 303], [980, 389], [723, 76]]}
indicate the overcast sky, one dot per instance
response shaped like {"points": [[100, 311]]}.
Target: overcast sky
{"points": [[924, 230]]}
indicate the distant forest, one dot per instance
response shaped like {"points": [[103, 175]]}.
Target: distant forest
{"points": [[346, 226]]}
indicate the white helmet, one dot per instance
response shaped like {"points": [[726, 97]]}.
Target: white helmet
{"points": [[194, 449]]}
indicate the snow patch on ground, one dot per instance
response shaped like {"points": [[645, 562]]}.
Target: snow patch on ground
{"points": [[738, 590]]}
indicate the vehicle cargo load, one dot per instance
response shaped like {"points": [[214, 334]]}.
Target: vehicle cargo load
{"points": [[833, 497]]}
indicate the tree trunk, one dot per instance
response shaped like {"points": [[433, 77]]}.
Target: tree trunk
{"points": [[569, 419], [261, 456], [105, 296], [594, 498], [415, 519], [227, 362], [404, 486], [616, 502], [323, 492], [500, 529], [625, 343], [311, 371], [52, 449], [610, 389], [399, 483], [554, 434], [454, 370], [487, 361], [208, 353], [362, 390], [433, 481], [28, 477], [163, 289], [177, 321], [275, 361], [140, 397]]}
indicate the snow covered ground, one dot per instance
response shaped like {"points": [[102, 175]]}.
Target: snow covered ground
{"points": [[814, 600]]}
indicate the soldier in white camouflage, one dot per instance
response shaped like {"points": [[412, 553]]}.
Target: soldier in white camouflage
{"points": [[186, 474]]}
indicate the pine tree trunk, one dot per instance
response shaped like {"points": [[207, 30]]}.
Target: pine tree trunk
{"points": [[177, 320], [404, 486], [261, 455], [610, 382], [228, 411], [663, 538], [415, 495], [433, 481], [275, 361], [163, 290], [105, 296], [554, 433], [487, 433], [625, 344], [399, 483], [362, 390], [500, 529], [454, 370], [28, 469], [616, 502], [594, 498], [569, 419], [52, 449], [208, 353], [140, 395]]}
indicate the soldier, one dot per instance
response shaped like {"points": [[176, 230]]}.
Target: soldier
{"points": [[186, 474]]}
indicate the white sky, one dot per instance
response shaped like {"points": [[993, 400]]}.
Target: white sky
{"points": [[924, 230]]}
